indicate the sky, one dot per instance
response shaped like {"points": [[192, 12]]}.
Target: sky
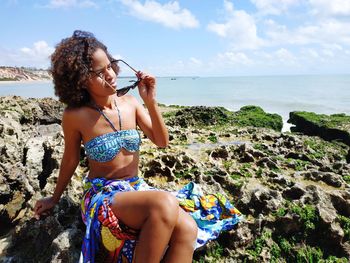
{"points": [[187, 37]]}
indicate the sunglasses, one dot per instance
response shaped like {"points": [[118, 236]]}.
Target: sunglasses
{"points": [[114, 66], [124, 90]]}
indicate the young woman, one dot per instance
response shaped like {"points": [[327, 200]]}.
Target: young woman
{"points": [[126, 220]]}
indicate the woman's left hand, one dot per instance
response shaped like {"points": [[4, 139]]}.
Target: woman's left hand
{"points": [[147, 87]]}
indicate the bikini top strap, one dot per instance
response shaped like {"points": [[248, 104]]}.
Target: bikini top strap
{"points": [[107, 119], [119, 116]]}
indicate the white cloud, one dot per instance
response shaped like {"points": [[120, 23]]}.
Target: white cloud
{"points": [[310, 52], [239, 28], [326, 32], [221, 29], [169, 14], [237, 58], [71, 3], [190, 66], [117, 56], [274, 7], [333, 46], [195, 61], [311, 44], [328, 53], [40, 48], [36, 56], [331, 7], [284, 55], [228, 6]]}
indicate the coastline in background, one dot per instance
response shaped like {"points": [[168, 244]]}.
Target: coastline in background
{"points": [[322, 94]]}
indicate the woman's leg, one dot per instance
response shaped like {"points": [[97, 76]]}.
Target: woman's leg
{"points": [[155, 213], [183, 240]]}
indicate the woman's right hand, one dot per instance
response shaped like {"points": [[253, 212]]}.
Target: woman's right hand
{"points": [[43, 207]]}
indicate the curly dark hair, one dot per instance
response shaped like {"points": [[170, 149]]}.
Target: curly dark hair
{"points": [[71, 64]]}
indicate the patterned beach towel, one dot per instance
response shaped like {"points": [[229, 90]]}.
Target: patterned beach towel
{"points": [[109, 240]]}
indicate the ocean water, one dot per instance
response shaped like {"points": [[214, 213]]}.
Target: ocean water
{"points": [[326, 94]]}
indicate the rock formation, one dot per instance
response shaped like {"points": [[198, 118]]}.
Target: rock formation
{"points": [[20, 74], [293, 189], [328, 127]]}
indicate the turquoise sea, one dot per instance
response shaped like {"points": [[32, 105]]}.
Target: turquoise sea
{"points": [[325, 94]]}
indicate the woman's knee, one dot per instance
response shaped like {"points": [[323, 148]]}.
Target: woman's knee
{"points": [[165, 207], [191, 228], [135, 208], [186, 229]]}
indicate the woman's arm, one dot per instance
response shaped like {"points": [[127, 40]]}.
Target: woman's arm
{"points": [[152, 124], [70, 160]]}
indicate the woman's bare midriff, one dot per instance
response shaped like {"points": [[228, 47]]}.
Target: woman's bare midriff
{"points": [[123, 166]]}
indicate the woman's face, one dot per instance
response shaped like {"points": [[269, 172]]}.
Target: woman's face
{"points": [[102, 81]]}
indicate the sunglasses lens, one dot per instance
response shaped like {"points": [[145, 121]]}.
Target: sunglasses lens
{"points": [[122, 92]]}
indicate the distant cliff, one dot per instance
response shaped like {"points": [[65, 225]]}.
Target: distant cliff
{"points": [[22, 73]]}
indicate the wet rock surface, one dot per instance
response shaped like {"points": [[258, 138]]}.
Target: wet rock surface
{"points": [[293, 189]]}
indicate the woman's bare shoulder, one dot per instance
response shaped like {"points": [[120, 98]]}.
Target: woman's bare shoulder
{"points": [[77, 112], [131, 100], [76, 115]]}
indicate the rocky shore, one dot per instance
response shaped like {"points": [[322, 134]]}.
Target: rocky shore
{"points": [[293, 188]]}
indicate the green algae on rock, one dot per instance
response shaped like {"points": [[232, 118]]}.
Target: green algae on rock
{"points": [[202, 116], [256, 117], [328, 127]]}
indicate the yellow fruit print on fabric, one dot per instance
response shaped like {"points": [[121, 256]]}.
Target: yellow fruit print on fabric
{"points": [[109, 241], [188, 205], [208, 201], [209, 217], [235, 211], [222, 199]]}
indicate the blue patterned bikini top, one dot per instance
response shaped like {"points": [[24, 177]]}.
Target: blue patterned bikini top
{"points": [[105, 147]]}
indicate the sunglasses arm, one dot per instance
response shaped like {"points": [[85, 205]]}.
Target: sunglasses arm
{"points": [[127, 65]]}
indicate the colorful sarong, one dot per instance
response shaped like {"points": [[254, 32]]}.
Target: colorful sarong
{"points": [[108, 240]]}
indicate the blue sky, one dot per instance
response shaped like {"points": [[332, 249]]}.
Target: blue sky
{"points": [[192, 37]]}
